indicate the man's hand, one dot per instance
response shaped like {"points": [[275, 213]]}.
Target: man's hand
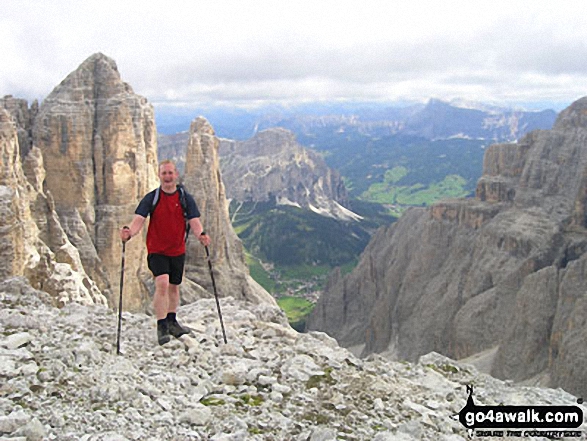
{"points": [[204, 239], [125, 234], [135, 227]]}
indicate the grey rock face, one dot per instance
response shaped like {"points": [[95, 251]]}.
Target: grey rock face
{"points": [[98, 141], [503, 271], [33, 241], [273, 166], [64, 381], [24, 118], [203, 180]]}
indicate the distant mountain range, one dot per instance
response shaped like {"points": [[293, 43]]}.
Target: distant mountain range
{"points": [[280, 191], [435, 120], [367, 142], [272, 166]]}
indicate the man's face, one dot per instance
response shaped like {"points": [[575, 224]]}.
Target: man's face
{"points": [[167, 174]]}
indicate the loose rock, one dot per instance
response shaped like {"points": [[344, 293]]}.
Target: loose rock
{"points": [[64, 384]]}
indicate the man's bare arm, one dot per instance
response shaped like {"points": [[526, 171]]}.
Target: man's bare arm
{"points": [[126, 233], [198, 229]]}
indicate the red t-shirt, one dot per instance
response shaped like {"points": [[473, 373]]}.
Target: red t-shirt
{"points": [[166, 232]]}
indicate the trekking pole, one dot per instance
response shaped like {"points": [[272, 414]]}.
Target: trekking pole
{"points": [[215, 294], [120, 301]]}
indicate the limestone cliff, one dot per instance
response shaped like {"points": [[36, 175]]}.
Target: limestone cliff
{"points": [[33, 244], [203, 180], [273, 166], [23, 117], [502, 273], [98, 141]]}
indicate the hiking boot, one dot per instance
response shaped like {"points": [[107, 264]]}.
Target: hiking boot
{"points": [[177, 330], [163, 332]]}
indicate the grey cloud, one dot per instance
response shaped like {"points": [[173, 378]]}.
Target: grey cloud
{"points": [[360, 64], [508, 57], [549, 58]]}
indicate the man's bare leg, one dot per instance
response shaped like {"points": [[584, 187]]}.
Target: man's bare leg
{"points": [[173, 297], [161, 298], [161, 306]]}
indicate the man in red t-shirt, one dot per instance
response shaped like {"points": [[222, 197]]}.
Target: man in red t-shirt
{"points": [[166, 245]]}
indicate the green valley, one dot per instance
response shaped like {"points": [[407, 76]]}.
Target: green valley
{"points": [[291, 251], [398, 197]]}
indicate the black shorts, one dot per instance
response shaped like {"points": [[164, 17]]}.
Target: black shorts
{"points": [[160, 264]]}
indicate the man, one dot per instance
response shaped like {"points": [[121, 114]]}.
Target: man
{"points": [[166, 244]]}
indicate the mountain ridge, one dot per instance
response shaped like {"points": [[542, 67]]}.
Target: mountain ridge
{"points": [[454, 277], [476, 120], [273, 166]]}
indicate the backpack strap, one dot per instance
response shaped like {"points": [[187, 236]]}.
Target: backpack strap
{"points": [[155, 200], [184, 207]]}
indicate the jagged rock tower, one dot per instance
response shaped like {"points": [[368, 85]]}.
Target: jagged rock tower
{"points": [[98, 141], [203, 180], [502, 274]]}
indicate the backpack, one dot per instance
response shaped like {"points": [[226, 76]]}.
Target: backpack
{"points": [[183, 203]]}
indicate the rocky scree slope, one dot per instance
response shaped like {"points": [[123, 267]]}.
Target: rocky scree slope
{"points": [[61, 380]]}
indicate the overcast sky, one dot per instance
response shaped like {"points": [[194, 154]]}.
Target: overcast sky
{"points": [[243, 51]]}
